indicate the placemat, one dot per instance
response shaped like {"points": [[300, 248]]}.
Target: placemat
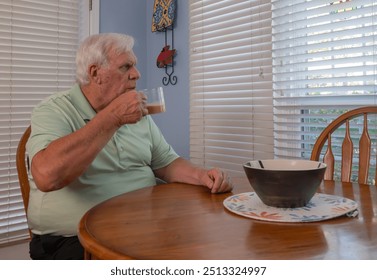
{"points": [[320, 207]]}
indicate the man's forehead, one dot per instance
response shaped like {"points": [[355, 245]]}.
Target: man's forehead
{"points": [[123, 57]]}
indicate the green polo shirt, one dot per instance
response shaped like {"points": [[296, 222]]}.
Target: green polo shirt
{"points": [[124, 164]]}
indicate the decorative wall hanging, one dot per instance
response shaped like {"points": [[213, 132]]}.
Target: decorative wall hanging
{"points": [[163, 21]]}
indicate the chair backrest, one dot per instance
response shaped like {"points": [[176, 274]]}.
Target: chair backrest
{"points": [[22, 163], [347, 152]]}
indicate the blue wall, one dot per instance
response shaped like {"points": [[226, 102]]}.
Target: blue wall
{"points": [[135, 18], [127, 16]]}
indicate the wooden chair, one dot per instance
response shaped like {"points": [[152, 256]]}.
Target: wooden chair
{"points": [[22, 163], [347, 155]]}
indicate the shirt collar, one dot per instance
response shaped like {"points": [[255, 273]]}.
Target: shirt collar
{"points": [[81, 103]]}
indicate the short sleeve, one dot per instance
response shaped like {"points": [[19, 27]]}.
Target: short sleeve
{"points": [[162, 153]]}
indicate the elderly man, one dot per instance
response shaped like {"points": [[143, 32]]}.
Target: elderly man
{"points": [[96, 141]]}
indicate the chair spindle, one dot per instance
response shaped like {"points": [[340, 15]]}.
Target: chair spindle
{"points": [[364, 156], [347, 155], [328, 158]]}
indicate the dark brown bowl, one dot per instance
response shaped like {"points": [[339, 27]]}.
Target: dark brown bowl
{"points": [[285, 183]]}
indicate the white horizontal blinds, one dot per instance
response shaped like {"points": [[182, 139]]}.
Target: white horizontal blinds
{"points": [[230, 83], [324, 63], [38, 40]]}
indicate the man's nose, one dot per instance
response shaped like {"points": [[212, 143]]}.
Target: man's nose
{"points": [[134, 74]]}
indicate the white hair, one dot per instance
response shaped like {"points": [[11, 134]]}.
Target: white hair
{"points": [[95, 50]]}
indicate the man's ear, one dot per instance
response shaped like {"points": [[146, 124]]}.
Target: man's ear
{"points": [[93, 71]]}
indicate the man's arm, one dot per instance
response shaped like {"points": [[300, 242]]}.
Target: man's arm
{"points": [[183, 171], [66, 158]]}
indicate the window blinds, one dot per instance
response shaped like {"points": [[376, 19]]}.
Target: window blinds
{"points": [[324, 63], [38, 41], [230, 83]]}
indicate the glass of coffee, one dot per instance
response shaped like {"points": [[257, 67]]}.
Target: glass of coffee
{"points": [[155, 100]]}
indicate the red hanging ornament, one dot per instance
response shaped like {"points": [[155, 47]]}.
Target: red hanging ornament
{"points": [[165, 57]]}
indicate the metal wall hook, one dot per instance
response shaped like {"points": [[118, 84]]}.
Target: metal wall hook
{"points": [[170, 79]]}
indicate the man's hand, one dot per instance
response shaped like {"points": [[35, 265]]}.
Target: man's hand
{"points": [[217, 181], [129, 107]]}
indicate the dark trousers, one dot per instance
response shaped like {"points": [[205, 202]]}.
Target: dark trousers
{"points": [[49, 247]]}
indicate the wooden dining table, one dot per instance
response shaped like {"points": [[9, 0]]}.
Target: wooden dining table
{"points": [[186, 222]]}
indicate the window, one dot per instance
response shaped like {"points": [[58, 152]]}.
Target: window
{"points": [[285, 66], [231, 114], [38, 41], [324, 63]]}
